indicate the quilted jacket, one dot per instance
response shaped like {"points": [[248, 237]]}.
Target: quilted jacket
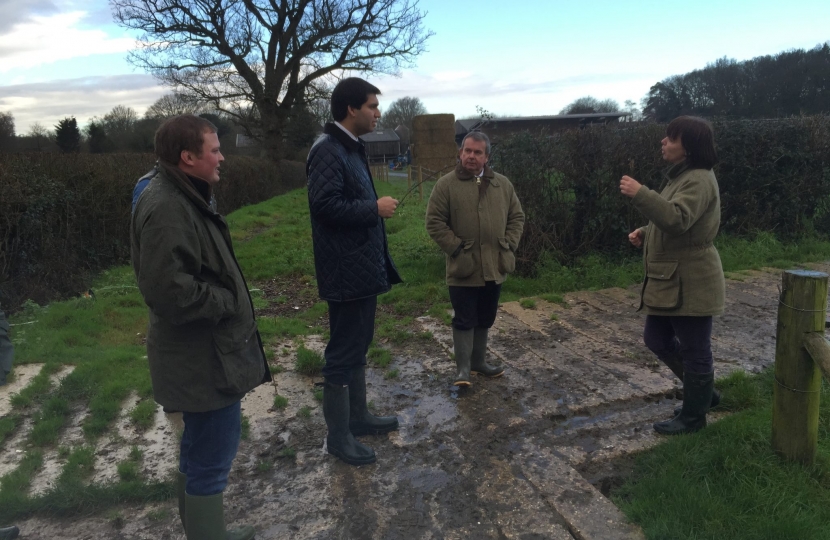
{"points": [[351, 255], [683, 269], [203, 345]]}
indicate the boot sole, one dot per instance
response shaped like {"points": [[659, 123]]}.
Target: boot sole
{"points": [[496, 376], [687, 431], [463, 384], [351, 461]]}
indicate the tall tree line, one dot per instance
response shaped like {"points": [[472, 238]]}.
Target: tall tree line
{"points": [[788, 83]]}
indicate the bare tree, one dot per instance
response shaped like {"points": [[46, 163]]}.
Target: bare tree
{"points": [[257, 59], [590, 104], [39, 134], [173, 104], [401, 112], [6, 130], [119, 126]]}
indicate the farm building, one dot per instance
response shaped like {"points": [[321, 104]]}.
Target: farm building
{"points": [[382, 145], [499, 127]]}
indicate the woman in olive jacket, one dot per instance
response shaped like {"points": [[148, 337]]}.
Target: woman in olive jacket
{"points": [[684, 284]]}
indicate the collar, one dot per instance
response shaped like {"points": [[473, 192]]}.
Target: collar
{"points": [[343, 136], [463, 174], [183, 182], [677, 169], [349, 133]]}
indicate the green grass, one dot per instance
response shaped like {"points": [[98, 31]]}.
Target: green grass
{"points": [[379, 356], [280, 402], [143, 415], [308, 362], [392, 374], [318, 394], [287, 452], [245, 428], [528, 303], [726, 482], [304, 412], [7, 426]]}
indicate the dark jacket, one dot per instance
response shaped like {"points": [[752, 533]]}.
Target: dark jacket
{"points": [[351, 255], [203, 345], [683, 269], [487, 227]]}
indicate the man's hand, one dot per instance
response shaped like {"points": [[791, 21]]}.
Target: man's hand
{"points": [[636, 238], [629, 187], [386, 207]]}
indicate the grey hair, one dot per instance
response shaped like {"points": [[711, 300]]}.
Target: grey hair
{"points": [[477, 136]]}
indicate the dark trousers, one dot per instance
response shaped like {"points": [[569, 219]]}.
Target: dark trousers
{"points": [[691, 337], [209, 444], [352, 327], [475, 307]]}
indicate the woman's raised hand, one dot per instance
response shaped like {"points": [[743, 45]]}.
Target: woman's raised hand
{"points": [[629, 187]]}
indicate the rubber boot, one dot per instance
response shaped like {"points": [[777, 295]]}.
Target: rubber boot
{"points": [[478, 363], [361, 421], [463, 344], [181, 482], [205, 520], [9, 533], [697, 395], [339, 441], [675, 364]]}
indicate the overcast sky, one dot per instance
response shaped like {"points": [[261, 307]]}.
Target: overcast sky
{"points": [[63, 58]]}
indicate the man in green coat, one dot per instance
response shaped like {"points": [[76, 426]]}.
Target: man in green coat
{"points": [[203, 345], [475, 218]]}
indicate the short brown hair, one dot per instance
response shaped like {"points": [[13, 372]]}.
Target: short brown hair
{"points": [[698, 139], [180, 133]]}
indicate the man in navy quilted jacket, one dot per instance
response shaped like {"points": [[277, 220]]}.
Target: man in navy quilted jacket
{"points": [[352, 263]]}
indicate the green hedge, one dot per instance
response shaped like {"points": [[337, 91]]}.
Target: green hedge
{"points": [[774, 175], [66, 216]]}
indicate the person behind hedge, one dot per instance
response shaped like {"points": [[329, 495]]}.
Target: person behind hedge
{"points": [[684, 285], [352, 264], [203, 345], [475, 217]]}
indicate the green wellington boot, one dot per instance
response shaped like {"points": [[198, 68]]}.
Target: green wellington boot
{"points": [[463, 345], [205, 520], [361, 421], [181, 482], [675, 364], [697, 395], [339, 441], [478, 358]]}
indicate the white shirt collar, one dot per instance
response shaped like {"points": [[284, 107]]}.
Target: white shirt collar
{"points": [[349, 133]]}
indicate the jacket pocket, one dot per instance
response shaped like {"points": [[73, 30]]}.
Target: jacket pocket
{"points": [[663, 287], [462, 265], [240, 360], [507, 259]]}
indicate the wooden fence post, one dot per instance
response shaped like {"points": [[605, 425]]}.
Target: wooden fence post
{"points": [[408, 177], [421, 182], [802, 309]]}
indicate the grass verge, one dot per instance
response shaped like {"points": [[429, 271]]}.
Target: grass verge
{"points": [[726, 482]]}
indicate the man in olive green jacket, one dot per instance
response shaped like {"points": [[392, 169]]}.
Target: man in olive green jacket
{"points": [[203, 345], [475, 218]]}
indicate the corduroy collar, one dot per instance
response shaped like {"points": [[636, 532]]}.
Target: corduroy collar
{"points": [[182, 181], [677, 169], [350, 144]]}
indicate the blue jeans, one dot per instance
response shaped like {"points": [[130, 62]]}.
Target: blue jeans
{"points": [[209, 444], [691, 337]]}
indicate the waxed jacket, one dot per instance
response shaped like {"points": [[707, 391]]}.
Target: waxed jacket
{"points": [[683, 272], [203, 345], [351, 255], [487, 227]]}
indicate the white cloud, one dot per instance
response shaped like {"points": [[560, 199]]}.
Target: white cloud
{"points": [[46, 39], [82, 98]]}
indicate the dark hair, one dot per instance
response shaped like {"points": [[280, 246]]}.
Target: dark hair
{"points": [[180, 133], [351, 92], [697, 138], [477, 136]]}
